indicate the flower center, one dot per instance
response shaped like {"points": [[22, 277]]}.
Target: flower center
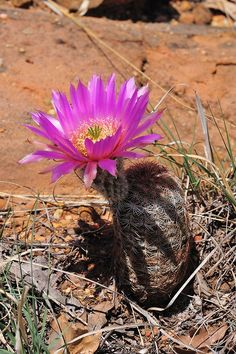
{"points": [[94, 132]]}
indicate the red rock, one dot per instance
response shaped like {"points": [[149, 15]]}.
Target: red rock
{"points": [[187, 18], [185, 6], [202, 15]]}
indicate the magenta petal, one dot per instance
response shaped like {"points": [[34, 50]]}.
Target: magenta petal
{"points": [[57, 138], [126, 92], [136, 115], [143, 140], [89, 146], [50, 154], [108, 165], [150, 120], [30, 158], [83, 101], [143, 90], [130, 155], [111, 96], [90, 173], [97, 96], [37, 131], [42, 154], [64, 112], [130, 87], [104, 148], [62, 169]]}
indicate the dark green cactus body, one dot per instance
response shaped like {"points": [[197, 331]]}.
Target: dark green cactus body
{"points": [[151, 231]]}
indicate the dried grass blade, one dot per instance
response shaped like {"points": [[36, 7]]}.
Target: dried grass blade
{"points": [[202, 116], [20, 326]]}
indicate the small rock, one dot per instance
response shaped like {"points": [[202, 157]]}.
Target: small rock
{"points": [[2, 66], [28, 31], [186, 18], [20, 3], [51, 111], [3, 16], [22, 50], [2, 204], [70, 231], [58, 214], [68, 217], [180, 90], [185, 6], [225, 287], [221, 21], [202, 15]]}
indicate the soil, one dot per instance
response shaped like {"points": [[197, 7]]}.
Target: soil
{"points": [[41, 51]]}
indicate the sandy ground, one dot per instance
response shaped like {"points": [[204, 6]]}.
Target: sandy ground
{"points": [[42, 51]]}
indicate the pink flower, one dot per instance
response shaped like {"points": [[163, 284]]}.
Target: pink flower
{"points": [[94, 129]]}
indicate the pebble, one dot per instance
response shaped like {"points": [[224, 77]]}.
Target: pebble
{"points": [[186, 18], [71, 231], [51, 111], [185, 6], [3, 16], [221, 21], [2, 66], [58, 214], [22, 50], [202, 15]]}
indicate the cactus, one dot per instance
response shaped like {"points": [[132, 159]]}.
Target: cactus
{"points": [[151, 230]]}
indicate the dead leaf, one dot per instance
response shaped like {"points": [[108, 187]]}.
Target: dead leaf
{"points": [[64, 331], [44, 283], [203, 339], [97, 319], [88, 345]]}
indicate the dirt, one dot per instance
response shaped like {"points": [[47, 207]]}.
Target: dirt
{"points": [[41, 51]]}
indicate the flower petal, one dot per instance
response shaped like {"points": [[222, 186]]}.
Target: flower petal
{"points": [[130, 154], [30, 158], [42, 154], [136, 116], [59, 139], [143, 140], [83, 101], [64, 112], [63, 169], [90, 173], [126, 92], [37, 131], [111, 96], [108, 165], [143, 90], [150, 120], [97, 97]]}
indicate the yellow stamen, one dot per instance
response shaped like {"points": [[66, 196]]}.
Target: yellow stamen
{"points": [[94, 132]]}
